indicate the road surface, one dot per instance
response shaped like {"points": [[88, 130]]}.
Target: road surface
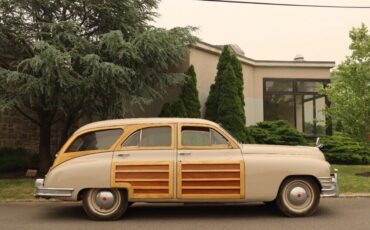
{"points": [[333, 213]]}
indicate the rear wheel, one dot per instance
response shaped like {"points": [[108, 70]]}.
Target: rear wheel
{"points": [[298, 197], [105, 204]]}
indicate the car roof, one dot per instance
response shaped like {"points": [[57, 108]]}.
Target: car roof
{"points": [[134, 121]]}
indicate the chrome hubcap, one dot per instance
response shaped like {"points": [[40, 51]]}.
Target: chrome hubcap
{"points": [[298, 196], [105, 199]]}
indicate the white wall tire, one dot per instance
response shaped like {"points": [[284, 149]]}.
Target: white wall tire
{"points": [[105, 204], [298, 197]]}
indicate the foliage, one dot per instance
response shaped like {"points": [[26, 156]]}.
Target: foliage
{"points": [[190, 95], [350, 91], [61, 60], [226, 100], [187, 105], [342, 149], [276, 132], [230, 109], [17, 159], [174, 109]]}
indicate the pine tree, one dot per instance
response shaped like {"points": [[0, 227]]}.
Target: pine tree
{"points": [[213, 97], [188, 104], [230, 108], [190, 95]]}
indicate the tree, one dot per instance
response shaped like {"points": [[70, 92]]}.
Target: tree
{"points": [[350, 91], [187, 105], [174, 109], [190, 95], [61, 60], [230, 109], [219, 108]]}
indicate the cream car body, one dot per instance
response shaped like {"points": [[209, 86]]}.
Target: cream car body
{"points": [[179, 172]]}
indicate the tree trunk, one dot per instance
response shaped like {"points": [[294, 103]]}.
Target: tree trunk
{"points": [[45, 141], [65, 132]]}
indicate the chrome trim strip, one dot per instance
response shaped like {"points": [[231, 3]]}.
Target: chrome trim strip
{"points": [[41, 191]]}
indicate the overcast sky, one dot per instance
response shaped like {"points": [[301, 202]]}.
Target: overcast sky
{"points": [[271, 32]]}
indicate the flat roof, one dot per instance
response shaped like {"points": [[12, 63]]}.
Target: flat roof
{"points": [[154, 120], [265, 63]]}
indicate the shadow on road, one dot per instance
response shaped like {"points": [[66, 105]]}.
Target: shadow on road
{"points": [[178, 211]]}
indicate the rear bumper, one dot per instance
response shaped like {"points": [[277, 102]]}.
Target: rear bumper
{"points": [[329, 185], [41, 191]]}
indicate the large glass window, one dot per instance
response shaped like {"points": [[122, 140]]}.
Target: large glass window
{"points": [[103, 139], [298, 102], [201, 136], [150, 137]]}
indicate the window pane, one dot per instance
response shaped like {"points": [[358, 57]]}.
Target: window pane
{"points": [[156, 136], [309, 86], [299, 112], [308, 115], [133, 140], [279, 107], [195, 136], [217, 139], [95, 140], [320, 116], [279, 86]]}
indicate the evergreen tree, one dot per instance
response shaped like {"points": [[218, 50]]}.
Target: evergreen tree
{"points": [[61, 60], [213, 97], [230, 109], [188, 104], [189, 95], [174, 109]]}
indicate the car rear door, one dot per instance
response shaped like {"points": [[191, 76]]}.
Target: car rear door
{"points": [[209, 164], [144, 161]]}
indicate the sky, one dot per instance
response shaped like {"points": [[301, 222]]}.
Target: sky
{"points": [[270, 32]]}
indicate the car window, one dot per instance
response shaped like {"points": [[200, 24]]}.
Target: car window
{"points": [[95, 140], [150, 137], [201, 136]]}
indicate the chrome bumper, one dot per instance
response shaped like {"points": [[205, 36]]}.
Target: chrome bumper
{"points": [[41, 191], [329, 185]]}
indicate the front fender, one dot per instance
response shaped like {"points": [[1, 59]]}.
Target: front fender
{"points": [[265, 173], [90, 171]]}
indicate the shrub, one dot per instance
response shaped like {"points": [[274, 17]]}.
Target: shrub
{"points": [[276, 132], [17, 159], [173, 109], [341, 149]]}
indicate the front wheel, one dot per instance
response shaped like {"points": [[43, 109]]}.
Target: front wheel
{"points": [[298, 197], [105, 204]]}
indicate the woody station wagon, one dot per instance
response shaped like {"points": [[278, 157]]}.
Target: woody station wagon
{"points": [[111, 164]]}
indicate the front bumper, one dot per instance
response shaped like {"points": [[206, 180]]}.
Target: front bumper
{"points": [[41, 191], [329, 185]]}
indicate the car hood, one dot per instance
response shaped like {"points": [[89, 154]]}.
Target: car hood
{"points": [[305, 151]]}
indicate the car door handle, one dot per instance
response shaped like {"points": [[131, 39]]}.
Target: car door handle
{"points": [[185, 154], [123, 154]]}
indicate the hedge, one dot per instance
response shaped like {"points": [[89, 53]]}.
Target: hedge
{"points": [[17, 159]]}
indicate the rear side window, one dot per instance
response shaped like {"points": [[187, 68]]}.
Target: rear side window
{"points": [[150, 137], [201, 136], [95, 140]]}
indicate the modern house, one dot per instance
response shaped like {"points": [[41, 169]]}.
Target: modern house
{"points": [[286, 90], [273, 90]]}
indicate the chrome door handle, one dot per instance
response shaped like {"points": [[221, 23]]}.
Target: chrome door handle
{"points": [[123, 154], [185, 154]]}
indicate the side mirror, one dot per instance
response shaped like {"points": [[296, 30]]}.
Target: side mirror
{"points": [[318, 143]]}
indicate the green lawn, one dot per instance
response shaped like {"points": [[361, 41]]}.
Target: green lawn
{"points": [[22, 189], [16, 189], [349, 183]]}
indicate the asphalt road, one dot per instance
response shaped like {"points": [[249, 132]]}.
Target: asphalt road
{"points": [[334, 213]]}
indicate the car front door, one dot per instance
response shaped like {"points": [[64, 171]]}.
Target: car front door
{"points": [[209, 164], [143, 163]]}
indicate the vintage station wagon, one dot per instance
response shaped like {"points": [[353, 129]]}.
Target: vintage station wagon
{"points": [[111, 164]]}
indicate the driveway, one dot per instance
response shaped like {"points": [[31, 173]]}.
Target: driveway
{"points": [[333, 213]]}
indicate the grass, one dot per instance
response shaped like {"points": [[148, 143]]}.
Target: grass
{"points": [[22, 189], [349, 183], [16, 189]]}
